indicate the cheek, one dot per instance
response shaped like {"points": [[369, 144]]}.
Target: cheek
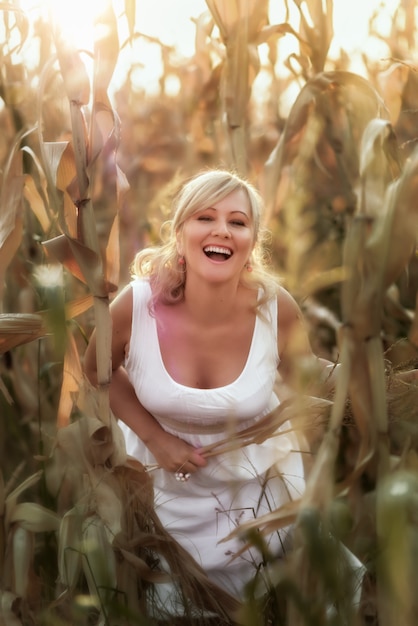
{"points": [[192, 232], [186, 239], [249, 241]]}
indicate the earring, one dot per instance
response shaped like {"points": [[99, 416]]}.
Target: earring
{"points": [[181, 260], [249, 267]]}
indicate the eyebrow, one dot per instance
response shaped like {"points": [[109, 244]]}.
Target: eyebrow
{"points": [[233, 211]]}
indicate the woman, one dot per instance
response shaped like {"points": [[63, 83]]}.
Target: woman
{"points": [[198, 338]]}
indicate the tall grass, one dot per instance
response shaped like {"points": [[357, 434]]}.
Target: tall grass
{"points": [[85, 181]]}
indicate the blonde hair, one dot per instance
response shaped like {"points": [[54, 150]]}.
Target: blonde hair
{"points": [[161, 263]]}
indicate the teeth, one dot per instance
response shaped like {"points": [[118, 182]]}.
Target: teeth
{"points": [[218, 250]]}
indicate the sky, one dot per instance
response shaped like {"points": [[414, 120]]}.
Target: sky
{"points": [[170, 21]]}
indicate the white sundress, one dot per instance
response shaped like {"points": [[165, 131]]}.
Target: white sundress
{"points": [[232, 487]]}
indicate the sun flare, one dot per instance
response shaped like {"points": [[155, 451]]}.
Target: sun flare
{"points": [[76, 19]]}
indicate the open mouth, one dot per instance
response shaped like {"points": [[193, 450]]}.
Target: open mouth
{"points": [[217, 253]]}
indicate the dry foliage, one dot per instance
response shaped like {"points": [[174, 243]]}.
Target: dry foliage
{"points": [[86, 180]]}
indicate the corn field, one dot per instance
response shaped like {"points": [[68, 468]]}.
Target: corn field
{"points": [[86, 177]]}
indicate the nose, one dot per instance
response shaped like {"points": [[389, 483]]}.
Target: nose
{"points": [[221, 229]]}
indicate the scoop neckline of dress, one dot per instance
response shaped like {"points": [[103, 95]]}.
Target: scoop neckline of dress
{"points": [[207, 389]]}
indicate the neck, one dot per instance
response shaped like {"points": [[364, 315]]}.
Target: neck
{"points": [[211, 303]]}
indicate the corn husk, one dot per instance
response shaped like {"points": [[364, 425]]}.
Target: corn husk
{"points": [[397, 505], [9, 608], [70, 548], [23, 546], [98, 562], [34, 517]]}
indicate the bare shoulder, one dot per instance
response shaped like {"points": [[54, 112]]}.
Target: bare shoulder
{"points": [[292, 333], [288, 309]]}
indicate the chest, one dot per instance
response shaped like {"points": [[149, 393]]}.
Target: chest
{"points": [[202, 356]]}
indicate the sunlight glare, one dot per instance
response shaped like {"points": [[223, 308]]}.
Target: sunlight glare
{"points": [[76, 19], [170, 24]]}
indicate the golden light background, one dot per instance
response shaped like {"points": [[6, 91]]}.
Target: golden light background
{"points": [[171, 22]]}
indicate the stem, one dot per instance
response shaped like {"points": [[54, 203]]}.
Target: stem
{"points": [[103, 355]]}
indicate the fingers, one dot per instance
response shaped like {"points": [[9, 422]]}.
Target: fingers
{"points": [[197, 459], [193, 462]]}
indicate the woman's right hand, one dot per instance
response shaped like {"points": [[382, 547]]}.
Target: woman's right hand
{"points": [[175, 455]]}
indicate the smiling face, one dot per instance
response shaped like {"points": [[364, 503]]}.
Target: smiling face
{"points": [[217, 241]]}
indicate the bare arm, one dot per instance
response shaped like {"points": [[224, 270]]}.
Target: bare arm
{"points": [[170, 452]]}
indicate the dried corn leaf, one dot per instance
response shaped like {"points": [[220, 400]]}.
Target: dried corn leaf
{"points": [[392, 84], [396, 508], [394, 237], [143, 570], [83, 262], [104, 124], [2, 494], [11, 190], [10, 244], [268, 426], [59, 249], [20, 328], [130, 13], [59, 161], [69, 548], [92, 443], [36, 203], [345, 102], [317, 29], [10, 608], [108, 502], [13, 495], [79, 306], [80, 186], [229, 16], [4, 390], [73, 70], [99, 561], [22, 546], [40, 181], [22, 24], [413, 332], [59, 158], [282, 517], [122, 185], [377, 386], [112, 267], [72, 375], [34, 517], [11, 197], [379, 165], [106, 49]]}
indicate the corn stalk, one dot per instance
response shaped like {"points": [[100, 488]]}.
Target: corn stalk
{"points": [[240, 23], [376, 251], [75, 168]]}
